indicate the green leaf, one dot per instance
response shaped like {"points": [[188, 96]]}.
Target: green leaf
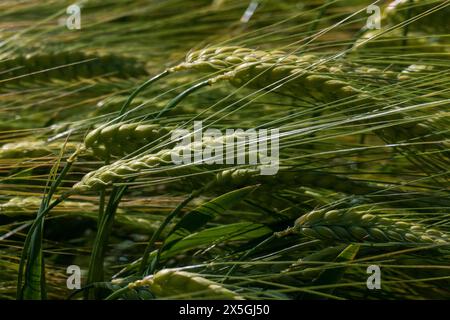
{"points": [[240, 231], [34, 273], [34, 284], [200, 216], [232, 232], [335, 274], [105, 223]]}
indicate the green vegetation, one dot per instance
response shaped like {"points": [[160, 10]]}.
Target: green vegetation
{"points": [[87, 176]]}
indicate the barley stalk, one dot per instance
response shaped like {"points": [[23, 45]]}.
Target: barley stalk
{"points": [[260, 69], [18, 205], [306, 75]]}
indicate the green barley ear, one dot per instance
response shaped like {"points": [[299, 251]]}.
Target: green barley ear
{"points": [[290, 177], [33, 149], [69, 65], [113, 104], [306, 76], [351, 226], [121, 170], [171, 282], [122, 138]]}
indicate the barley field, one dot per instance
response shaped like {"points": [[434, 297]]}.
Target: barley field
{"points": [[224, 149]]}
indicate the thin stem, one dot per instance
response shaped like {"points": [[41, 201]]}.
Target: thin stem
{"points": [[143, 86], [43, 210], [158, 232], [101, 206], [321, 13], [406, 27], [26, 244], [175, 101], [95, 273]]}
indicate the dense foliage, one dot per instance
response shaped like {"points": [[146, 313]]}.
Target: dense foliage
{"points": [[86, 117]]}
